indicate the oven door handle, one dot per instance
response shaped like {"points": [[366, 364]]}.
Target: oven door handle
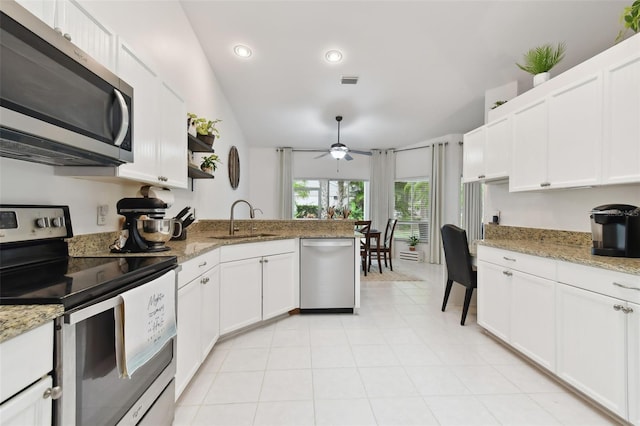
{"points": [[88, 312]]}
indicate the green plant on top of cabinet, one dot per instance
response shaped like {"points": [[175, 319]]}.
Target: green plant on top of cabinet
{"points": [[540, 60], [630, 20]]}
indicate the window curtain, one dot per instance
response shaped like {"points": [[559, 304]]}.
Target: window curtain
{"points": [[436, 201], [472, 214], [285, 184], [383, 171]]}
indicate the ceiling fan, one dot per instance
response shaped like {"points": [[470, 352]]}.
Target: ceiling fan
{"points": [[339, 150]]}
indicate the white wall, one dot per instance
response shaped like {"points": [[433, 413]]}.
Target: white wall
{"points": [[556, 209], [163, 36]]}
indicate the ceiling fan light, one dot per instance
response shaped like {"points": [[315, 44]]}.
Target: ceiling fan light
{"points": [[338, 154]]}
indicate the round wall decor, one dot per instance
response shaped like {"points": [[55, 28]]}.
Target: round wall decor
{"points": [[234, 167]]}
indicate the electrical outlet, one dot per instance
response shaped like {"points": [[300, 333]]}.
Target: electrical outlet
{"points": [[103, 210]]}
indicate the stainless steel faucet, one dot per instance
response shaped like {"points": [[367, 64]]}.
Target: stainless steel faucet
{"points": [[252, 214]]}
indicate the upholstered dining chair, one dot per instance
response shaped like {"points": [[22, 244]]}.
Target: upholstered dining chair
{"points": [[385, 247], [364, 227], [459, 265]]}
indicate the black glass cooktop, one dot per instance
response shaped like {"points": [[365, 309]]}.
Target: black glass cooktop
{"points": [[75, 281]]}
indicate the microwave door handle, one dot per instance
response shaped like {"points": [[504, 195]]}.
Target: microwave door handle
{"points": [[124, 126]]}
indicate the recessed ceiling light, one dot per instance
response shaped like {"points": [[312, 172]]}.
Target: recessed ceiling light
{"points": [[242, 51], [333, 56]]}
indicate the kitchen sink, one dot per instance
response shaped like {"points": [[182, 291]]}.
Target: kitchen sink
{"points": [[241, 236]]}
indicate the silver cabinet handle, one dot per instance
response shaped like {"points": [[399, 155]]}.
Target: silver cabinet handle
{"points": [[545, 184], [507, 273], [202, 264], [205, 280], [266, 261], [124, 126], [627, 310], [53, 393], [626, 286], [510, 259], [481, 176], [617, 307]]}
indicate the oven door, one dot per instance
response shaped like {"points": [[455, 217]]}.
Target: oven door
{"points": [[92, 391]]}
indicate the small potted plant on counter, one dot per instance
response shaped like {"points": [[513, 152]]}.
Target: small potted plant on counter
{"points": [[539, 61], [209, 164], [413, 242]]}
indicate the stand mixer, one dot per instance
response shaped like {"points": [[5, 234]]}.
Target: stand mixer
{"points": [[145, 228]]}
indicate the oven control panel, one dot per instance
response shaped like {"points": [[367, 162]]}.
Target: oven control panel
{"points": [[29, 223]]}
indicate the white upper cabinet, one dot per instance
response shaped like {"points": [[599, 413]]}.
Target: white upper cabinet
{"points": [[621, 156], [529, 150], [172, 151], [486, 152], [575, 134], [77, 25]]}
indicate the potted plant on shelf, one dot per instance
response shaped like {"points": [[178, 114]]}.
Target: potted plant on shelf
{"points": [[630, 20], [205, 129], [413, 242], [539, 61], [209, 164]]}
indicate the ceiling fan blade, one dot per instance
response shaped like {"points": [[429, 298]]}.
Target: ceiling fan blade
{"points": [[355, 151], [348, 157], [322, 155]]}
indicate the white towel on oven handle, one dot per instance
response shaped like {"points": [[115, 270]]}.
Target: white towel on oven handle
{"points": [[145, 321]]}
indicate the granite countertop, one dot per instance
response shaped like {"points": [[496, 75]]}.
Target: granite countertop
{"points": [[570, 253], [16, 319]]}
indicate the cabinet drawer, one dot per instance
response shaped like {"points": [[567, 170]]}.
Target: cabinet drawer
{"points": [[247, 251], [610, 283], [192, 268], [25, 358], [534, 265]]}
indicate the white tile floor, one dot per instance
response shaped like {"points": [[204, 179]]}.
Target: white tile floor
{"points": [[399, 361]]}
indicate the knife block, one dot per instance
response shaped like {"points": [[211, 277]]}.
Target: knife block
{"points": [[181, 237]]}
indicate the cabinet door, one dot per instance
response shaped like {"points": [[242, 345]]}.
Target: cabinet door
{"points": [[145, 83], [86, 32], [189, 330], [621, 151], [575, 134], [497, 149], [633, 336], [591, 346], [494, 298], [473, 152], [28, 407], [210, 301], [533, 318], [172, 153], [45, 10], [278, 285], [529, 149], [240, 294]]}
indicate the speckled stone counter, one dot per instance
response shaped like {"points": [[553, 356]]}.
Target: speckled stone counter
{"points": [[561, 245], [16, 319], [206, 235]]}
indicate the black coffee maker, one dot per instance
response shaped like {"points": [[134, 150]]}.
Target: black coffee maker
{"points": [[616, 230]]}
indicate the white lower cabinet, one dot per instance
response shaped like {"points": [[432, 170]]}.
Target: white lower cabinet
{"points": [[533, 318], [25, 363], [241, 294], [591, 346], [258, 281], [494, 299], [633, 356], [198, 315]]}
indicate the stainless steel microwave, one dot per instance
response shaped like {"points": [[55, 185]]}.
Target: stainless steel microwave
{"points": [[58, 105]]}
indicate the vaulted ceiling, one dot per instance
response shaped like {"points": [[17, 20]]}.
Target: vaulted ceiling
{"points": [[423, 66]]}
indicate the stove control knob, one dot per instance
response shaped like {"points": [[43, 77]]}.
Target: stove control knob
{"points": [[43, 222], [58, 222]]}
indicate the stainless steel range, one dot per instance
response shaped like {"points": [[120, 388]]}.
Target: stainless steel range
{"points": [[35, 268]]}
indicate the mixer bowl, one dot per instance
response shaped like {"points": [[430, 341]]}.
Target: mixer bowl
{"points": [[156, 231]]}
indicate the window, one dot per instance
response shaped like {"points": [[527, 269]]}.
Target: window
{"points": [[412, 209], [313, 198]]}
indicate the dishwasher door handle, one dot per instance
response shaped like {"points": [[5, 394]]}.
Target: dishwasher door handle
{"points": [[327, 243]]}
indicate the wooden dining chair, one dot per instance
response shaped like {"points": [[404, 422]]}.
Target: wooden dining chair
{"points": [[364, 227], [385, 247], [459, 265]]}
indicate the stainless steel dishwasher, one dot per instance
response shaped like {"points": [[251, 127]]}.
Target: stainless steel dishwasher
{"points": [[327, 275]]}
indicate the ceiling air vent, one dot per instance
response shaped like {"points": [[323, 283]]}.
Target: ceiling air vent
{"points": [[349, 80]]}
